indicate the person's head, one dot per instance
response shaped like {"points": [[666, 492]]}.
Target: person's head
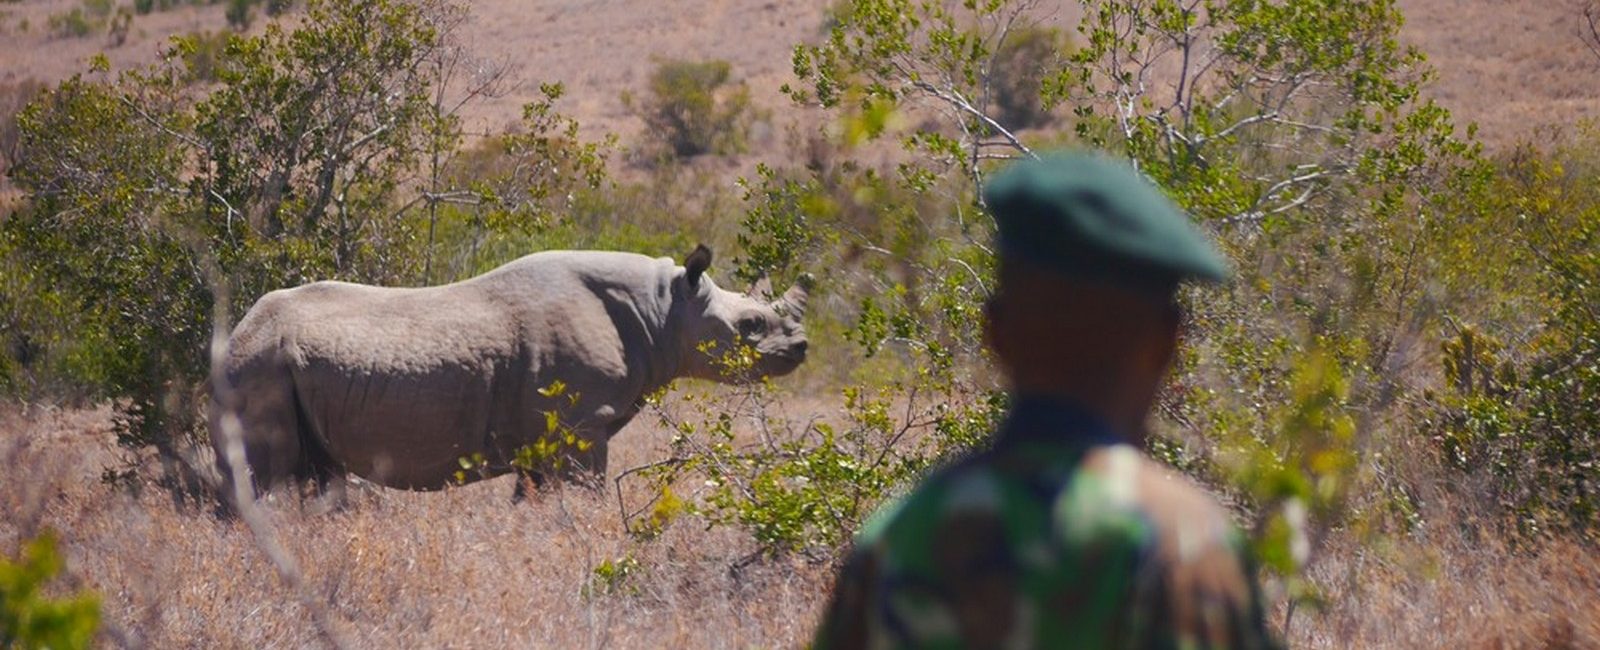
{"points": [[1091, 255]]}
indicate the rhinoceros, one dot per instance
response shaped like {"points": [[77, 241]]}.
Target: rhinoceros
{"points": [[404, 387]]}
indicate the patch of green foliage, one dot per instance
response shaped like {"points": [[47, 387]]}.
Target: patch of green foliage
{"points": [[692, 109], [31, 619], [1518, 399], [71, 24]]}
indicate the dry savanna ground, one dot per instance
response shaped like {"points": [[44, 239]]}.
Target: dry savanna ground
{"points": [[394, 569], [466, 568]]}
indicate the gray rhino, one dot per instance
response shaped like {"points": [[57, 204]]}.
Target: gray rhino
{"points": [[398, 386]]}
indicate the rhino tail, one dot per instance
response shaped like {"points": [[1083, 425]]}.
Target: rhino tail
{"points": [[316, 462]]}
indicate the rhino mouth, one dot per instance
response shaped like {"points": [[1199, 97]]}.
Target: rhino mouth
{"points": [[785, 355], [783, 362]]}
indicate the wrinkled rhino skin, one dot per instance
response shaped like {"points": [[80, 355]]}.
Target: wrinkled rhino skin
{"points": [[397, 385]]}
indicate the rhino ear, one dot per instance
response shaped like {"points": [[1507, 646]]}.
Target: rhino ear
{"points": [[696, 264]]}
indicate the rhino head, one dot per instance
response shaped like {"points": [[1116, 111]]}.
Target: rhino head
{"points": [[722, 323]]}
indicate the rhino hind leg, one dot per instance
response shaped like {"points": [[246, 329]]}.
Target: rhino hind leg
{"points": [[278, 449], [327, 478]]}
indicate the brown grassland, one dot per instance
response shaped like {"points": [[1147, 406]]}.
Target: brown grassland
{"points": [[467, 568]]}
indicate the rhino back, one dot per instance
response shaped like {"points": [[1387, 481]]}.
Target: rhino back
{"points": [[394, 383]]}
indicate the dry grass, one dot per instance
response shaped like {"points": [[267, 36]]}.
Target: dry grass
{"points": [[1458, 586], [1456, 581], [465, 568]]}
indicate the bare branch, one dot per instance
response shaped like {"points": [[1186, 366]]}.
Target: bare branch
{"points": [[152, 121], [1257, 211], [1253, 119], [1589, 32]]}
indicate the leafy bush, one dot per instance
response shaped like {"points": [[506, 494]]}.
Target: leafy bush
{"points": [[202, 54], [1519, 402], [691, 109], [801, 486], [238, 13], [13, 97], [119, 27]]}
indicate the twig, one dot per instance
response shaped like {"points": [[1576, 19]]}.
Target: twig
{"points": [[242, 496], [1591, 40], [955, 100]]}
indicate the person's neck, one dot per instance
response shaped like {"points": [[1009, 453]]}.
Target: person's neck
{"points": [[1108, 398]]}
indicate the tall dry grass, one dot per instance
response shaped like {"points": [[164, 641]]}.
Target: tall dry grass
{"points": [[459, 568]]}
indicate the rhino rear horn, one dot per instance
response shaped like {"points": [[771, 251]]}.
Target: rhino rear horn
{"points": [[696, 264]]}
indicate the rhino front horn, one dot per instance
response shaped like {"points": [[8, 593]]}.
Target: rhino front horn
{"points": [[793, 302]]}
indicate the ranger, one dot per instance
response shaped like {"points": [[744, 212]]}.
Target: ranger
{"points": [[1063, 534]]}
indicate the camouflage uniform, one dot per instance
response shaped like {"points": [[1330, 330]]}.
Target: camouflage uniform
{"points": [[1060, 537]]}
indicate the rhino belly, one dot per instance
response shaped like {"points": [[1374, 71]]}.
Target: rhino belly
{"points": [[404, 430]]}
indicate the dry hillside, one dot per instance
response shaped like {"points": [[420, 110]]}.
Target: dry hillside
{"points": [[1512, 66]]}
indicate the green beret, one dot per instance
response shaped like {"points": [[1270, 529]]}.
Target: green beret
{"points": [[1088, 216]]}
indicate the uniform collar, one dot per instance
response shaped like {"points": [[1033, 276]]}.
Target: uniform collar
{"points": [[1049, 419]]}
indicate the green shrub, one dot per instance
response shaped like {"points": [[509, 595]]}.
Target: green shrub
{"points": [[1018, 73], [99, 8], [13, 97], [202, 54], [1519, 402], [691, 110], [119, 26], [238, 13], [70, 24]]}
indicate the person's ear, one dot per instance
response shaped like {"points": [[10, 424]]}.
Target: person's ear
{"points": [[988, 322], [996, 328], [1169, 332]]}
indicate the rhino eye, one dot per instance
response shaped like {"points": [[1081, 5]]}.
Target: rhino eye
{"points": [[749, 326]]}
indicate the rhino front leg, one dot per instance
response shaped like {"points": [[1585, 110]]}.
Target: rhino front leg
{"points": [[593, 460], [528, 482], [587, 467]]}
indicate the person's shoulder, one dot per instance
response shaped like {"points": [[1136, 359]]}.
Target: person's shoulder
{"points": [[970, 485], [1119, 490]]}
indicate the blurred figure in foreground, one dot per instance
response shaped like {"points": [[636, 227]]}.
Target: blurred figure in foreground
{"points": [[1063, 534]]}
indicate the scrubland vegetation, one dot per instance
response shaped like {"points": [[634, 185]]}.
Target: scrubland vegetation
{"points": [[1399, 394]]}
